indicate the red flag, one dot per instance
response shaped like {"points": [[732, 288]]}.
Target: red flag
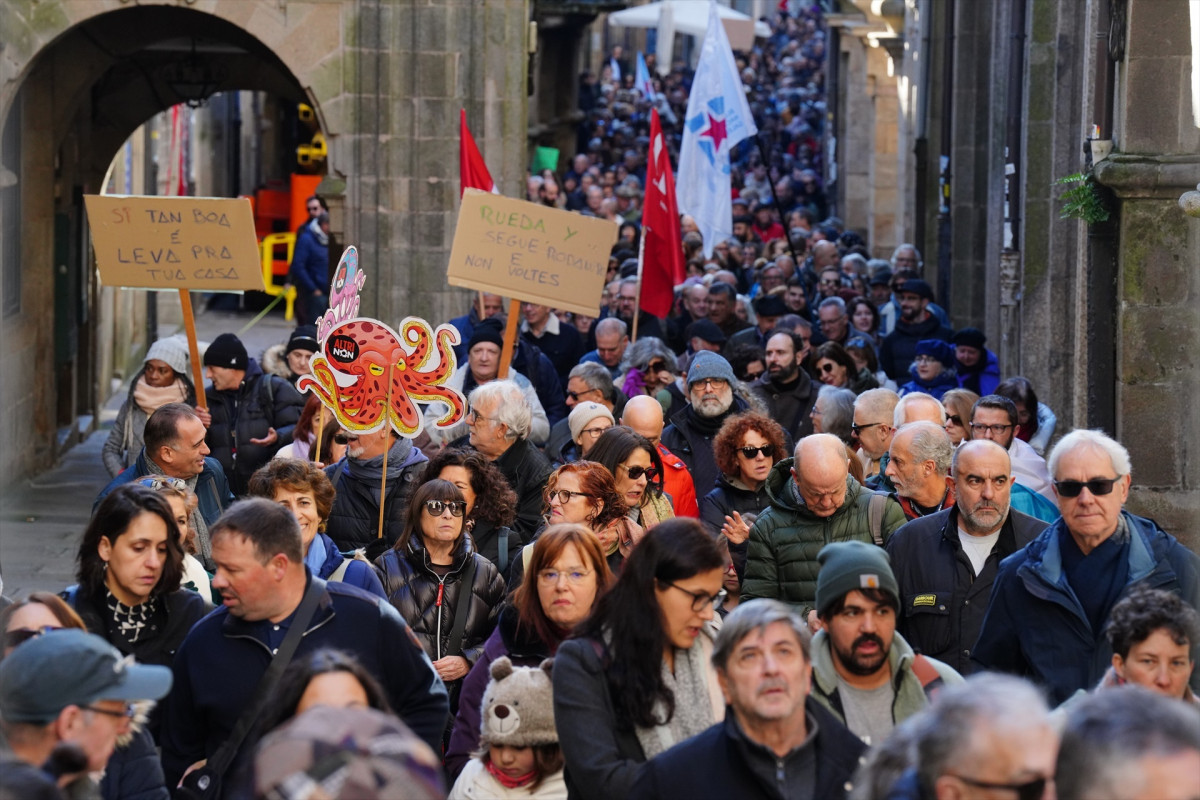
{"points": [[472, 172], [662, 252]]}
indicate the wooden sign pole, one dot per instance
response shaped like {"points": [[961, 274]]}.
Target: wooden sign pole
{"points": [[189, 324], [510, 337], [387, 431]]}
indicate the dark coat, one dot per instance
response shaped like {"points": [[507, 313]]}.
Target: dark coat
{"points": [[133, 771], [183, 609], [789, 407], [526, 470], [690, 437], [563, 348], [1035, 626], [725, 499], [487, 539], [428, 603], [603, 761], [310, 263], [720, 763], [942, 600], [983, 378], [531, 362], [223, 658], [354, 519], [523, 649], [248, 412], [899, 348]]}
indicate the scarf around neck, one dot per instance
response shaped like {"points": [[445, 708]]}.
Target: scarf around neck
{"points": [[152, 398], [507, 782], [315, 229], [693, 707]]}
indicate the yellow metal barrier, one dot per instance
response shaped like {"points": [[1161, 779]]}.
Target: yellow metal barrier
{"points": [[267, 254]]}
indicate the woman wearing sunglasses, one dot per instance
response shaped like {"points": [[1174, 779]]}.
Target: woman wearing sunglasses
{"points": [[627, 689], [745, 448], [491, 504], [835, 367], [649, 367], [424, 577], [958, 404], [637, 473], [303, 488], [130, 566], [133, 768]]}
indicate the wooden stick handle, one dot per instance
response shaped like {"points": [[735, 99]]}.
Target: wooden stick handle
{"points": [[387, 431], [189, 324], [510, 337]]}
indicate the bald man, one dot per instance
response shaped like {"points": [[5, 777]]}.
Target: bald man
{"points": [[814, 501], [945, 563], [644, 415]]}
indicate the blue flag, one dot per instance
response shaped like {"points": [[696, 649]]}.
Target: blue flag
{"points": [[643, 83]]}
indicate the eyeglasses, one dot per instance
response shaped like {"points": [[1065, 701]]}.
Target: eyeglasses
{"points": [[345, 438], [750, 377], [549, 577], [657, 366], [995, 429], [856, 428], [700, 600], [437, 507], [22, 635], [475, 416], [1030, 790], [1097, 486], [827, 367], [592, 431], [767, 450], [576, 395], [923, 359], [128, 712], [634, 473], [159, 481], [710, 383], [563, 496], [954, 419]]}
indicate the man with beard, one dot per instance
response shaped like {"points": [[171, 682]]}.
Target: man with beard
{"points": [[946, 562], [627, 307], [863, 671], [916, 323], [786, 389], [710, 382]]}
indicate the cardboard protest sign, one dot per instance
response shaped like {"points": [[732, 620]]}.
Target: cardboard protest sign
{"points": [[530, 252], [368, 375], [202, 243]]}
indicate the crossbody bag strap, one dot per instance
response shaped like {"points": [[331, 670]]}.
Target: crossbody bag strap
{"points": [[460, 611], [221, 759]]}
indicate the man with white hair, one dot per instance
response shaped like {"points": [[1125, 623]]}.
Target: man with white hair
{"points": [[913, 407], [1052, 598], [499, 423], [946, 562], [919, 467]]}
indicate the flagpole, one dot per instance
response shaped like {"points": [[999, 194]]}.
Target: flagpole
{"points": [[787, 236], [637, 298]]}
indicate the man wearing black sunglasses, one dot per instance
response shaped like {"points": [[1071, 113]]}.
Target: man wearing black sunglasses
{"points": [[1052, 599]]}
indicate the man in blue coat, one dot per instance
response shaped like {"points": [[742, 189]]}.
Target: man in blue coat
{"points": [[175, 448], [262, 579], [1052, 598]]}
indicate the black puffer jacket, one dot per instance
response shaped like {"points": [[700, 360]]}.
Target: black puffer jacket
{"points": [[354, 519], [248, 412], [412, 587], [729, 496]]}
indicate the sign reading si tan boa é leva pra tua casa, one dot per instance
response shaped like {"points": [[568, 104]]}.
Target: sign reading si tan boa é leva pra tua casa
{"points": [[204, 243], [531, 252]]}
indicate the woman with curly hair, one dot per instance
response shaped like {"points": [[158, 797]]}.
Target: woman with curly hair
{"points": [[303, 488], [491, 504], [637, 676], [745, 448], [637, 471], [567, 574]]}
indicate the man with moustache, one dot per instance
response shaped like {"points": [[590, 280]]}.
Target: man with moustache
{"points": [[945, 563], [786, 389], [710, 382], [917, 322], [863, 671]]}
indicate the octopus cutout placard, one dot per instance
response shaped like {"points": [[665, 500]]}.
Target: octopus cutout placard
{"points": [[368, 375]]}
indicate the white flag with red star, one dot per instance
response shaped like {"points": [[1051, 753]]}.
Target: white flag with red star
{"points": [[718, 117]]}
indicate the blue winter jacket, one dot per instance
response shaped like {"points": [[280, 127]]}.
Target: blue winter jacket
{"points": [[1035, 626], [220, 663], [310, 264], [358, 573]]}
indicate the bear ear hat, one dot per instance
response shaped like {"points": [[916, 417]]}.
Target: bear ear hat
{"points": [[501, 668], [546, 666]]}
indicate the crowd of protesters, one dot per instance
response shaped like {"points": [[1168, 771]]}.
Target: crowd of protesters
{"points": [[797, 539]]}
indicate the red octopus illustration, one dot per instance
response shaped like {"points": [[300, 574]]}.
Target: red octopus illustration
{"points": [[350, 375]]}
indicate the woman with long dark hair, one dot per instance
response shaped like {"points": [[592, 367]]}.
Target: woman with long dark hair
{"points": [[129, 567], [424, 578], [637, 471], [567, 574], [491, 504], [626, 688]]}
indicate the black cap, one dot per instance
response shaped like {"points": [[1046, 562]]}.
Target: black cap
{"points": [[770, 305], [916, 286], [488, 330], [707, 330], [303, 338], [227, 351], [970, 337]]}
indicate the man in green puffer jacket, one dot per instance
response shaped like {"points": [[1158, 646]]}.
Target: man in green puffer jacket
{"points": [[814, 501]]}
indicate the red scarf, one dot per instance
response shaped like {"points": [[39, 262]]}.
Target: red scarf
{"points": [[511, 783]]}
